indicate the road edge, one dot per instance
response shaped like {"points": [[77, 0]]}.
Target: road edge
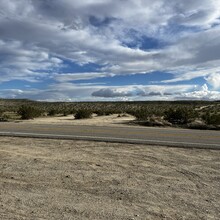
{"points": [[113, 140]]}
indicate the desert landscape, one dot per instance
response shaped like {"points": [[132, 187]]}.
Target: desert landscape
{"points": [[109, 110], [77, 179], [64, 179], [203, 115]]}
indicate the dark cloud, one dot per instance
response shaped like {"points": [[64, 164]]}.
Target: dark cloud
{"points": [[110, 93], [129, 92]]}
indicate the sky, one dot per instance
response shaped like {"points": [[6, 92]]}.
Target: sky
{"points": [[108, 50]]}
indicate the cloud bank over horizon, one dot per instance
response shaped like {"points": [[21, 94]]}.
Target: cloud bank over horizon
{"points": [[64, 50]]}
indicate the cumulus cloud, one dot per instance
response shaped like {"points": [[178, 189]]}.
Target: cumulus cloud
{"points": [[75, 92], [214, 80], [111, 93], [184, 92], [142, 91], [202, 93]]}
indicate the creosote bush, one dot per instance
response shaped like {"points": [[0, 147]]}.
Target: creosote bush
{"points": [[29, 112], [4, 118], [52, 112], [144, 114], [83, 113], [211, 119], [179, 115], [141, 114]]}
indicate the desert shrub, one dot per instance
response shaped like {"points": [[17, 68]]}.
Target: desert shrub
{"points": [[72, 111], [4, 118], [68, 111], [179, 115], [1, 112], [100, 113], [65, 113], [111, 112], [142, 114], [107, 112], [52, 112], [211, 119], [83, 113], [29, 112]]}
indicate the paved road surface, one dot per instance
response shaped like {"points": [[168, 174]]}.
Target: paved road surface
{"points": [[133, 134]]}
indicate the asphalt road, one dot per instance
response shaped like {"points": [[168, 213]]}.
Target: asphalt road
{"points": [[134, 134]]}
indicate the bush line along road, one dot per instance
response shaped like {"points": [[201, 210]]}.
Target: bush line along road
{"points": [[184, 114], [143, 135], [192, 114]]}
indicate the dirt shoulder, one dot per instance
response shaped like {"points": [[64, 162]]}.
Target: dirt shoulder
{"points": [[61, 179]]}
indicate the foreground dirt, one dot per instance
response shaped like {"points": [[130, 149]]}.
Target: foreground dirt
{"points": [[57, 179]]}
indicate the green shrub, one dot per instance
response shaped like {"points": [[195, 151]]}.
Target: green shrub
{"points": [[107, 112], [100, 113], [141, 114], [29, 112], [1, 112], [211, 119], [52, 112], [4, 118], [65, 113], [179, 115], [83, 113]]}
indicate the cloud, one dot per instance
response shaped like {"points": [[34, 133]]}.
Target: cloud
{"points": [[187, 74], [123, 92], [214, 80], [20, 61], [183, 92], [37, 37], [54, 92], [83, 92], [142, 91], [11, 93], [65, 77], [202, 93], [111, 93]]}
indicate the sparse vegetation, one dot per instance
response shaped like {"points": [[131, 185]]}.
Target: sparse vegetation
{"points": [[180, 115], [84, 113], [212, 119], [29, 112], [52, 112], [204, 114]]}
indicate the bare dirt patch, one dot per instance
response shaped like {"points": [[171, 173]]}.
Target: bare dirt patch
{"points": [[109, 120], [57, 179]]}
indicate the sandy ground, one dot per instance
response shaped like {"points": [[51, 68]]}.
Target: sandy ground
{"points": [[110, 120], [57, 179]]}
